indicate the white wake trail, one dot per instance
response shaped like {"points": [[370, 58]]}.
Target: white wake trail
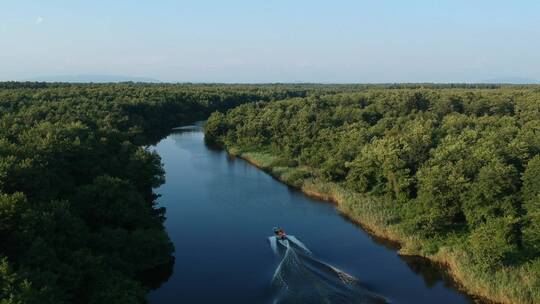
{"points": [[300, 278]]}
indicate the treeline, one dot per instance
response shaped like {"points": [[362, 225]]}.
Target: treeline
{"points": [[459, 168], [78, 218]]}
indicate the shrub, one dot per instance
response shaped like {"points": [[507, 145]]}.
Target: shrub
{"points": [[493, 243]]}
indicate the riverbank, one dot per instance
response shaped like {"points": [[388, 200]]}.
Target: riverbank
{"points": [[509, 285]]}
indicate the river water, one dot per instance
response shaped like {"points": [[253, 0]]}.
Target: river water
{"points": [[220, 213]]}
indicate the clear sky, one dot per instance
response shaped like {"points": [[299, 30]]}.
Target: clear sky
{"points": [[272, 40]]}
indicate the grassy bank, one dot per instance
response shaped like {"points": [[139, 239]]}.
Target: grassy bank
{"points": [[381, 218]]}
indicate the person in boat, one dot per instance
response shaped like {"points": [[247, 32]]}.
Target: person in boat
{"points": [[280, 233]]}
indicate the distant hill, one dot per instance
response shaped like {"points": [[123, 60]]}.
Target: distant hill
{"points": [[92, 78], [511, 80]]}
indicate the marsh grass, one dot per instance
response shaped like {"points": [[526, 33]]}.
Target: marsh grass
{"points": [[260, 159]]}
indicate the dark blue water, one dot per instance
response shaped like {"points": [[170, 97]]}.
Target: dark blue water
{"points": [[220, 212]]}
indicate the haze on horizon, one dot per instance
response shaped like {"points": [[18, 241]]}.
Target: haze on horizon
{"points": [[272, 41]]}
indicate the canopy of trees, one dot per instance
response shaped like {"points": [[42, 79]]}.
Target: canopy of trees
{"points": [[79, 221], [78, 218]]}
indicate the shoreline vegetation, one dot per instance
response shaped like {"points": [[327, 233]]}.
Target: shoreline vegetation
{"points": [[450, 175], [371, 218]]}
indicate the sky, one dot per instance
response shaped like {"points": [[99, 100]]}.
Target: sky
{"points": [[272, 40]]}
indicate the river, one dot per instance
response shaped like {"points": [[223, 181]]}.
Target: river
{"points": [[220, 212]]}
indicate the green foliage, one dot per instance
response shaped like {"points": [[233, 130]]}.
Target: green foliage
{"points": [[492, 194], [531, 180], [447, 161], [531, 230], [531, 197], [214, 128], [78, 218], [79, 221], [493, 243], [15, 290], [439, 198]]}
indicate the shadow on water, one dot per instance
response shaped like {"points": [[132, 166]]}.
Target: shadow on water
{"points": [[155, 277], [434, 273], [430, 272], [195, 129]]}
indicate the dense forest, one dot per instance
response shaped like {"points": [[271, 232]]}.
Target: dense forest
{"points": [[453, 171], [457, 165], [78, 219]]}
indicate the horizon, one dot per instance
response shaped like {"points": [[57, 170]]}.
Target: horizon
{"points": [[118, 79], [277, 42]]}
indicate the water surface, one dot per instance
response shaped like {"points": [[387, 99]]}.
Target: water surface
{"points": [[220, 212]]}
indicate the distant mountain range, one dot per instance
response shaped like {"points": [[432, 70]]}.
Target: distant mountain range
{"points": [[92, 78], [511, 80]]}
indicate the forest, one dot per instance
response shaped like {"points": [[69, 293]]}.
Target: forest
{"points": [[456, 166], [451, 172], [79, 222]]}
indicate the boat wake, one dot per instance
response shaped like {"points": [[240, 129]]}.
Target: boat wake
{"points": [[300, 278]]}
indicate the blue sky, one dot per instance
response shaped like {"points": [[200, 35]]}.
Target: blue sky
{"points": [[272, 40]]}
